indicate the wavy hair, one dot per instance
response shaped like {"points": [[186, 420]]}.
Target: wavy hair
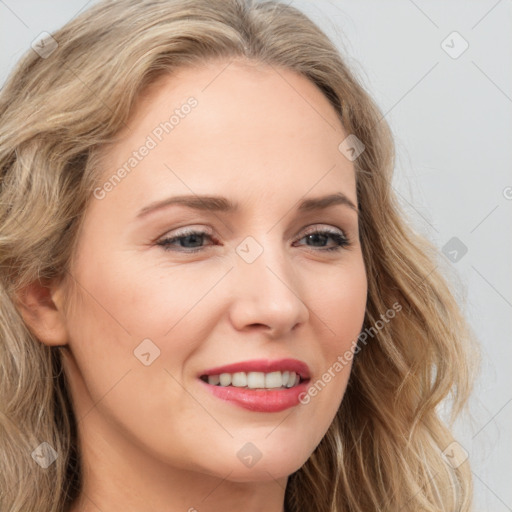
{"points": [[383, 450]]}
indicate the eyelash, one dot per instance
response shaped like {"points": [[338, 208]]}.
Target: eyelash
{"points": [[341, 240]]}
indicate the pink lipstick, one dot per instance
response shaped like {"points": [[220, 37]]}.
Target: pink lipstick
{"points": [[259, 385]]}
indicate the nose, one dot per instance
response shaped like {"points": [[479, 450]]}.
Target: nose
{"points": [[267, 295]]}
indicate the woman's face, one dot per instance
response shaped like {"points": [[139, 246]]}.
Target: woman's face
{"points": [[250, 284]]}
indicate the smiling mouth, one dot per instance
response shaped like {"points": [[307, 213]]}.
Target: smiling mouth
{"points": [[255, 380]]}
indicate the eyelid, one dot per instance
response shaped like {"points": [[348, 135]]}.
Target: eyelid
{"points": [[323, 227], [185, 230]]}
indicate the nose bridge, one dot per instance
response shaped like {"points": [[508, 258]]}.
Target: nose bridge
{"points": [[268, 291]]}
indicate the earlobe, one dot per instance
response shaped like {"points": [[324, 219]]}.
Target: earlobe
{"points": [[40, 306]]}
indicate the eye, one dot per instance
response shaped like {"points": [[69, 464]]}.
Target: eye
{"points": [[322, 235], [190, 241]]}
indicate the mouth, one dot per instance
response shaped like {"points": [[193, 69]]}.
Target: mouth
{"points": [[258, 374], [257, 399], [259, 385], [255, 380]]}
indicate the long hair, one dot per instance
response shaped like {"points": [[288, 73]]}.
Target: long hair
{"points": [[66, 102]]}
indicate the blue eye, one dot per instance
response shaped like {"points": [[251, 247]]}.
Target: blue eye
{"points": [[340, 239], [190, 241], [188, 236]]}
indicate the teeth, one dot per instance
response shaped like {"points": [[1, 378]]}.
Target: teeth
{"points": [[213, 379], [225, 379], [273, 380], [239, 380], [256, 380]]}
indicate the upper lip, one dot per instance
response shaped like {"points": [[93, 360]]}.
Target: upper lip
{"points": [[262, 365]]}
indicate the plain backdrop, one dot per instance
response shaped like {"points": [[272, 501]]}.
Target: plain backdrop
{"points": [[441, 72]]}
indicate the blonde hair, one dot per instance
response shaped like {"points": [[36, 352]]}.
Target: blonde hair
{"points": [[383, 450]]}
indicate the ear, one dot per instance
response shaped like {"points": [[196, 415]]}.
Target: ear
{"points": [[40, 305]]}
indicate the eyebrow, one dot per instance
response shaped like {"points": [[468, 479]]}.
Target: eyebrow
{"points": [[223, 204]]}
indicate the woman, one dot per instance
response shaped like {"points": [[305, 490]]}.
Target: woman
{"points": [[293, 356]]}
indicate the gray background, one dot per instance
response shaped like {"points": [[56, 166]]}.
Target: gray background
{"points": [[452, 122]]}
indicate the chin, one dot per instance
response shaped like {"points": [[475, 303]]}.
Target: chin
{"points": [[261, 472], [269, 466]]}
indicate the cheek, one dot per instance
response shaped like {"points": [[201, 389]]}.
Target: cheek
{"points": [[338, 307], [130, 314], [123, 320], [148, 300], [339, 303]]}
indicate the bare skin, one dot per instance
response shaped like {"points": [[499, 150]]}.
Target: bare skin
{"points": [[153, 437]]}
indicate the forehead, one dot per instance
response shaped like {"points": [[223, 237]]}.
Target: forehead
{"points": [[238, 80], [252, 127]]}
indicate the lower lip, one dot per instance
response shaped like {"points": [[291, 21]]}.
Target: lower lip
{"points": [[272, 400]]}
